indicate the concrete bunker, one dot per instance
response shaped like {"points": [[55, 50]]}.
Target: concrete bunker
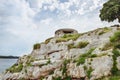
{"points": [[61, 32]]}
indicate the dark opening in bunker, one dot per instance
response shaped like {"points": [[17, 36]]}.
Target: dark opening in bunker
{"points": [[67, 32]]}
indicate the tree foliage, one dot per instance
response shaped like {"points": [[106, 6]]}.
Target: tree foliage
{"points": [[110, 11]]}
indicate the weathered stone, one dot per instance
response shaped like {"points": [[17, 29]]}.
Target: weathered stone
{"points": [[101, 66], [118, 62]]}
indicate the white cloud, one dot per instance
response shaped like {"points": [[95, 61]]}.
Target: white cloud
{"points": [[46, 21]]}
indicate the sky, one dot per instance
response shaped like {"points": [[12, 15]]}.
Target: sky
{"points": [[26, 22]]}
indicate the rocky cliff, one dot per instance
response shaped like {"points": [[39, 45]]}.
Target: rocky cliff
{"points": [[83, 56]]}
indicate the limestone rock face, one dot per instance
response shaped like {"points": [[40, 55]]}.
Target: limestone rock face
{"points": [[76, 71], [101, 66], [87, 56]]}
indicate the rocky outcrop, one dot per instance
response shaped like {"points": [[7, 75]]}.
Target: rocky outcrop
{"points": [[87, 56]]}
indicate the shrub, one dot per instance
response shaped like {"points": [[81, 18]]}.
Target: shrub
{"points": [[67, 37], [36, 46]]}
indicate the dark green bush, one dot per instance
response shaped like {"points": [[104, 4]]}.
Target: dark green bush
{"points": [[36, 46]]}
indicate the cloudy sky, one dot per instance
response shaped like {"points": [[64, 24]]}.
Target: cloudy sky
{"points": [[26, 22]]}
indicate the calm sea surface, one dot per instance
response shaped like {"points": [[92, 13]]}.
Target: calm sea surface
{"points": [[6, 63]]}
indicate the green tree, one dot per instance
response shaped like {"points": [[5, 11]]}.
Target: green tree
{"points": [[110, 11]]}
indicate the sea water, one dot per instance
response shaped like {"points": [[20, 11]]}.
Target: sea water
{"points": [[6, 63]]}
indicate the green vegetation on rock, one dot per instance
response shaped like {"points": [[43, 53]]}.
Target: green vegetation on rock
{"points": [[89, 72], [114, 78], [81, 44], [68, 78], [64, 66], [114, 69], [105, 30], [67, 37], [48, 40], [57, 78], [15, 68], [29, 60], [115, 39], [80, 60], [107, 46], [83, 57]]}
